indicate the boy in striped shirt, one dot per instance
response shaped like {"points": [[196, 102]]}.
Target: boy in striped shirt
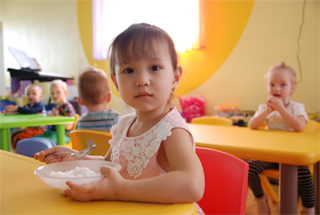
{"points": [[95, 94]]}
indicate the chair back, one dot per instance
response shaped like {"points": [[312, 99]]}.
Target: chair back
{"points": [[79, 139], [76, 118], [212, 120], [30, 146], [226, 182], [312, 126]]}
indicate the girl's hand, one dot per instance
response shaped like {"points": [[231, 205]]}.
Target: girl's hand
{"points": [[269, 108], [105, 189], [45, 156], [55, 111], [275, 103], [11, 108]]}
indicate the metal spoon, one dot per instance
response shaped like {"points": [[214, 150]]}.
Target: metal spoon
{"points": [[79, 153]]}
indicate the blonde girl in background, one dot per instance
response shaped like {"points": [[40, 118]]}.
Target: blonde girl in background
{"points": [[59, 92], [154, 145], [281, 113]]}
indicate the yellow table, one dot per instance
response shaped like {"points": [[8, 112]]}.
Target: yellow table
{"points": [[22, 192], [28, 120], [287, 148]]}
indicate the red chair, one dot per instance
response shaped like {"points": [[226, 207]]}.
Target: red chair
{"points": [[226, 182]]}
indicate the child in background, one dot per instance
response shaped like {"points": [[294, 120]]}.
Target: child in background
{"points": [[154, 145], [95, 95], [34, 96], [281, 113], [59, 92]]}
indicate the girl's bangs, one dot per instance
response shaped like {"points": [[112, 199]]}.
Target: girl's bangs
{"points": [[138, 48]]}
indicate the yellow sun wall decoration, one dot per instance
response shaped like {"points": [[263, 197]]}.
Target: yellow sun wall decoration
{"points": [[224, 24]]}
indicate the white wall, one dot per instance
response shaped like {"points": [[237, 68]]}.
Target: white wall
{"points": [[2, 76], [46, 30], [269, 38]]}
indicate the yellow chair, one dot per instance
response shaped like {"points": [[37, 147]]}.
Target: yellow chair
{"points": [[79, 139], [212, 120], [76, 117], [312, 126]]}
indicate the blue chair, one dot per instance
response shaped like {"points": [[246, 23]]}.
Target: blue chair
{"points": [[29, 147]]}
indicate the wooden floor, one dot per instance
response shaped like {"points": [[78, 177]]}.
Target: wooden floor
{"points": [[251, 208]]}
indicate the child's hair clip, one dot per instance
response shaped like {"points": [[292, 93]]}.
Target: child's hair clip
{"points": [[282, 64]]}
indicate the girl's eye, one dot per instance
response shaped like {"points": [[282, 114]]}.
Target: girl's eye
{"points": [[128, 71], [154, 68], [283, 85]]}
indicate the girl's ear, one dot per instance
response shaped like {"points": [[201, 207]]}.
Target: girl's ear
{"points": [[177, 77], [293, 87], [66, 93], [79, 101], [114, 80]]}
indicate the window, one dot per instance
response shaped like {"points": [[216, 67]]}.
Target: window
{"points": [[180, 18]]}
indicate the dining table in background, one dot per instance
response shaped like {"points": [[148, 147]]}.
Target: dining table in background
{"points": [[290, 149], [22, 192], [28, 120]]}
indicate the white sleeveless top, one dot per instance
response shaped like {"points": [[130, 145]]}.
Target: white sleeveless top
{"points": [[138, 155]]}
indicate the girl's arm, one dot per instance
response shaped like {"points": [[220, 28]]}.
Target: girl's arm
{"points": [[297, 123], [185, 183], [45, 156], [36, 108], [68, 126], [259, 118], [11, 108], [63, 110]]}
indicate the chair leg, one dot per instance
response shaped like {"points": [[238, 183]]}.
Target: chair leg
{"points": [[268, 188]]}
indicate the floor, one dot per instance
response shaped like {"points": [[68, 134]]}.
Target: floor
{"points": [[251, 208]]}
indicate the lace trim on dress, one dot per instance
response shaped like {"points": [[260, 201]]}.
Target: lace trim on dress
{"points": [[139, 150], [117, 135]]}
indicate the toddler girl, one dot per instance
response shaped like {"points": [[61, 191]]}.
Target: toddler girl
{"points": [[154, 145], [281, 113]]}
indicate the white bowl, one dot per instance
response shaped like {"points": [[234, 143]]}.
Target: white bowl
{"points": [[60, 183]]}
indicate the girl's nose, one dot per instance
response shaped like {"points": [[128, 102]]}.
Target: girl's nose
{"points": [[276, 87], [142, 79]]}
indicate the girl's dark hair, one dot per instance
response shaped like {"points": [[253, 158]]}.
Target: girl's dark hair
{"points": [[140, 41]]}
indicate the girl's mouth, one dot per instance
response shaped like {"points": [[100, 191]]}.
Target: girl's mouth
{"points": [[277, 95], [143, 94]]}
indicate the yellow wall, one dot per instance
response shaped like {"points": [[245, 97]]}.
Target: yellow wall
{"points": [[243, 39]]}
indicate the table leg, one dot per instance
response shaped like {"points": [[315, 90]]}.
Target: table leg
{"points": [[60, 134], [288, 189], [5, 139], [316, 173]]}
